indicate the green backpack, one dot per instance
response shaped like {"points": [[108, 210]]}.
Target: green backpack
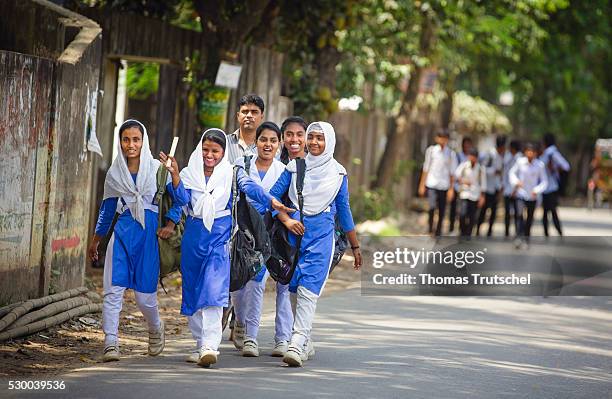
{"points": [[170, 248]]}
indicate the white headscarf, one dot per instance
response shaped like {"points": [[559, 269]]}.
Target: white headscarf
{"points": [[273, 173], [208, 198], [119, 181], [324, 174]]}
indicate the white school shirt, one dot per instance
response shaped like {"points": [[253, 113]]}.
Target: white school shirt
{"points": [[552, 154], [509, 161], [475, 175], [461, 158], [531, 174], [439, 164], [493, 163]]}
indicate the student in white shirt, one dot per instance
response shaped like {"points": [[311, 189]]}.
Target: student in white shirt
{"points": [[437, 178], [471, 179], [510, 208], [554, 162], [462, 156], [528, 177], [493, 162]]}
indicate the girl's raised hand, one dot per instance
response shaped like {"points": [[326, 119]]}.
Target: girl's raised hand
{"points": [[173, 168]]}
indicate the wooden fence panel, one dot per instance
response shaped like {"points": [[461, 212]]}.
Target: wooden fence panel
{"points": [[366, 135], [262, 75]]}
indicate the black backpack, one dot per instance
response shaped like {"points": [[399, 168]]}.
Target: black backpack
{"points": [[341, 244], [284, 258], [249, 243]]}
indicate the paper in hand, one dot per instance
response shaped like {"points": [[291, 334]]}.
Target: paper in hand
{"points": [[172, 151]]}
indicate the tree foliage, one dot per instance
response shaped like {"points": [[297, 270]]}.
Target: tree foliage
{"points": [[554, 55]]}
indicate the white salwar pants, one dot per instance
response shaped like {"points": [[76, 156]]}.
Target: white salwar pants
{"points": [[113, 302], [250, 307], [303, 304], [205, 327]]}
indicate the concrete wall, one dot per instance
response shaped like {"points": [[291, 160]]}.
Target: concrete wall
{"points": [[46, 170], [25, 112]]}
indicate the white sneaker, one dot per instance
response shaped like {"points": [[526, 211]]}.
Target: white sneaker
{"points": [[308, 351], [311, 349], [193, 357], [157, 340], [280, 348], [111, 354], [518, 243], [239, 332], [207, 357], [293, 356], [250, 348]]}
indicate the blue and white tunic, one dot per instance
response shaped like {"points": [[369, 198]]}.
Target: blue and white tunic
{"points": [[205, 262], [318, 242], [266, 180], [132, 249]]}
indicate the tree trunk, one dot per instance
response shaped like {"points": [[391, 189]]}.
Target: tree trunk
{"points": [[399, 139], [446, 106], [326, 61], [226, 29]]}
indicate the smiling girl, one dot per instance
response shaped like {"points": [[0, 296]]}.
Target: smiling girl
{"points": [[293, 134], [205, 187], [325, 194], [264, 170], [132, 256]]}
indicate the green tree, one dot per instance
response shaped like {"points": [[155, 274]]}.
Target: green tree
{"points": [[398, 38], [563, 86]]}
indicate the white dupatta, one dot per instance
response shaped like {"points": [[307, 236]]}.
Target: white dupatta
{"points": [[324, 174], [207, 198], [272, 174], [119, 183]]}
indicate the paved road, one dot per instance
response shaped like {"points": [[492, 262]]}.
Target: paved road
{"points": [[574, 221], [398, 347], [395, 347]]}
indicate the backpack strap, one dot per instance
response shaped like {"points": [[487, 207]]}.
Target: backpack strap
{"points": [[112, 226], [162, 176], [300, 164], [247, 163], [234, 198]]}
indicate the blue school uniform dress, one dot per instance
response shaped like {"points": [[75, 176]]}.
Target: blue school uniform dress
{"points": [[261, 208], [205, 263], [248, 301], [134, 251], [317, 247]]}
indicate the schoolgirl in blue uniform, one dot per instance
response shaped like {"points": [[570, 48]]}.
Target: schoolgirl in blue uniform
{"points": [[132, 256], [325, 194], [264, 170], [205, 188]]}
